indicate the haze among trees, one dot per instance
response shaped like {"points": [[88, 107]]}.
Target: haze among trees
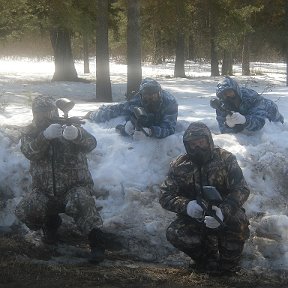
{"points": [[220, 32]]}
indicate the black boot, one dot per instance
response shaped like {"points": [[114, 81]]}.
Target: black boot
{"points": [[97, 246], [50, 230]]}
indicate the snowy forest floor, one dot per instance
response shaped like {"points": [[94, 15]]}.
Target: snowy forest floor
{"points": [[26, 264]]}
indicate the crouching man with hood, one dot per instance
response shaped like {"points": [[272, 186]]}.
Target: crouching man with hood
{"points": [[249, 109], [214, 247], [61, 180]]}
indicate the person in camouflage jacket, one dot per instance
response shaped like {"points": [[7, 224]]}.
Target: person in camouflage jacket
{"points": [[61, 180], [214, 248], [160, 106], [250, 110]]}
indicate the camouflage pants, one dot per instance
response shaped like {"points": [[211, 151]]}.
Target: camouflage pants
{"points": [[35, 208], [203, 244]]}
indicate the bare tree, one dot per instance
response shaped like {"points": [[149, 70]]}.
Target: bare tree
{"points": [[63, 59], [227, 64], [86, 52], [134, 71], [103, 83], [286, 38], [214, 52], [179, 70], [246, 56]]}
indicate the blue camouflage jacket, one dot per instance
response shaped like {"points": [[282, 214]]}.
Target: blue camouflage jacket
{"points": [[162, 123], [253, 106]]}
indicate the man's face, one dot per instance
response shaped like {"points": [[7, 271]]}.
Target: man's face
{"points": [[228, 94], [151, 102], [200, 142], [232, 98], [198, 149]]}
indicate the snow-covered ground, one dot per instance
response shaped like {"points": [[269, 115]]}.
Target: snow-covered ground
{"points": [[127, 174]]}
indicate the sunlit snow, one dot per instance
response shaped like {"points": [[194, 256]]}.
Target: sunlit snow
{"points": [[127, 173]]}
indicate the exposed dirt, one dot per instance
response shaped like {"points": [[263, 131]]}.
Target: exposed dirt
{"points": [[24, 264]]}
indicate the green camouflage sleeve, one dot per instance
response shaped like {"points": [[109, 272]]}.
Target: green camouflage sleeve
{"points": [[34, 148], [170, 196]]}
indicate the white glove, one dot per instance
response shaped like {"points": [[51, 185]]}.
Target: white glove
{"points": [[129, 128], [210, 221], [53, 131], [194, 210], [139, 135], [235, 118], [70, 132]]}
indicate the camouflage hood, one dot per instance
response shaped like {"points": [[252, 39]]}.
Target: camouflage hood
{"points": [[198, 129], [150, 86], [227, 84], [43, 103]]}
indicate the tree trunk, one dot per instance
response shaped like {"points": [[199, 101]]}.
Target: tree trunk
{"points": [[103, 83], [214, 53], [286, 39], [191, 48], [157, 57], [179, 69], [227, 65], [86, 52], [214, 59], [134, 70], [286, 58], [246, 56], [63, 59]]}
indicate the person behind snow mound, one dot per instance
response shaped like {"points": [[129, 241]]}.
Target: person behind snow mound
{"points": [[249, 108], [61, 181], [159, 106], [214, 248]]}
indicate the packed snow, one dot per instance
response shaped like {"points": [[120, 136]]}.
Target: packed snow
{"points": [[127, 173]]}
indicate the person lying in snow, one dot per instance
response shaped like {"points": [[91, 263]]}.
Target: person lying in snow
{"points": [[213, 240], [158, 112], [249, 109]]}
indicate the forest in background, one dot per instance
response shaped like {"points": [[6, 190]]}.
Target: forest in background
{"points": [[219, 32], [23, 33]]}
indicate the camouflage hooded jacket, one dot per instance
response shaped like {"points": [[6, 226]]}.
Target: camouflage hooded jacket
{"points": [[253, 106], [60, 161], [222, 171], [162, 123]]}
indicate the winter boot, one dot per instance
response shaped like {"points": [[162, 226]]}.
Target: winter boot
{"points": [[209, 266], [229, 262], [97, 246], [50, 235], [229, 268]]}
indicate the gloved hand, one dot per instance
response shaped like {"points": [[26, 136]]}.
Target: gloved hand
{"points": [[148, 131], [210, 221], [234, 119], [139, 135], [194, 210], [53, 131], [70, 132], [98, 116], [129, 128]]}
